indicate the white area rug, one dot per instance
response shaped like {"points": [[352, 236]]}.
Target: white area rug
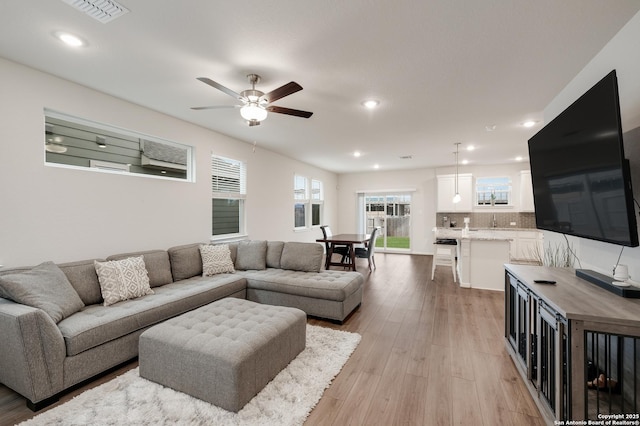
{"points": [[286, 400]]}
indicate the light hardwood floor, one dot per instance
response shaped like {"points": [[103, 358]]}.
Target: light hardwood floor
{"points": [[431, 354]]}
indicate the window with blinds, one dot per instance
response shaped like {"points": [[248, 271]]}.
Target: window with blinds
{"points": [[228, 189]]}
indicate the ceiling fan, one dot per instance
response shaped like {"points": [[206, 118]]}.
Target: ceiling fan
{"points": [[256, 104]]}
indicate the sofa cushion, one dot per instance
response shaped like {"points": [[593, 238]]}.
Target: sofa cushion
{"points": [[10, 271], [186, 261], [83, 277], [306, 257], [96, 324], [216, 260], [45, 287], [327, 285], [156, 262], [233, 248], [274, 253], [251, 255], [122, 279]]}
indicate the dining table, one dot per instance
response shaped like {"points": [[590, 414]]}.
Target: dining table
{"points": [[349, 240]]}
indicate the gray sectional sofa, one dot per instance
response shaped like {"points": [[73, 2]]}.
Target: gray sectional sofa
{"points": [[41, 356]]}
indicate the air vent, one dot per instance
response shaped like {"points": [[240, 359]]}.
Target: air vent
{"points": [[406, 157], [100, 10]]}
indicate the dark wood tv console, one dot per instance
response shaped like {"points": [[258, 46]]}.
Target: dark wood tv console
{"points": [[569, 337]]}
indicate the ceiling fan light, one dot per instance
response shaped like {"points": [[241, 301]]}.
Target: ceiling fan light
{"points": [[55, 148], [251, 111]]}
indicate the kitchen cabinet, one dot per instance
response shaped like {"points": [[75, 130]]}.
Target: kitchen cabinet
{"points": [[446, 191], [527, 246], [526, 192]]}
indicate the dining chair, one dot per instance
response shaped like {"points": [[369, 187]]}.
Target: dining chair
{"points": [[342, 250], [368, 251], [444, 254]]}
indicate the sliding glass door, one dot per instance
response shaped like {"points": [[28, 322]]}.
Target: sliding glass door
{"points": [[392, 213]]}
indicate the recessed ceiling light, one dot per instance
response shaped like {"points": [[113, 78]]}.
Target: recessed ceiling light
{"points": [[470, 148], [529, 123], [519, 158], [464, 162], [69, 39], [490, 128], [357, 154], [371, 103], [376, 166]]}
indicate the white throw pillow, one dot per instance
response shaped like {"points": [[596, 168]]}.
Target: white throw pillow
{"points": [[216, 259], [122, 279]]}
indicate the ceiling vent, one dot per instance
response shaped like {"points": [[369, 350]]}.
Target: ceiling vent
{"points": [[100, 10]]}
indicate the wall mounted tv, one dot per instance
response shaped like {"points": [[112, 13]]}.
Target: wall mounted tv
{"points": [[581, 179]]}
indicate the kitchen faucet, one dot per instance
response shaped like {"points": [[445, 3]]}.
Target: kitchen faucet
{"points": [[494, 223]]}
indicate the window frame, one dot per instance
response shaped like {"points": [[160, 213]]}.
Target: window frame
{"points": [[317, 199], [308, 195], [230, 191], [104, 148], [486, 189], [300, 198]]}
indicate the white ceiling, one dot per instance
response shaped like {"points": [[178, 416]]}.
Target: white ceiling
{"points": [[442, 69]]}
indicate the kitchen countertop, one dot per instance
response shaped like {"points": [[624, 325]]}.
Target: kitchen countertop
{"points": [[511, 228], [485, 234]]}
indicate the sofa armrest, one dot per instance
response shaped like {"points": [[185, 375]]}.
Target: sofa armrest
{"points": [[32, 351]]}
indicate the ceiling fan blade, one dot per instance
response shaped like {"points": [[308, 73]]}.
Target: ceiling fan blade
{"points": [[220, 87], [289, 111], [281, 92], [215, 107]]}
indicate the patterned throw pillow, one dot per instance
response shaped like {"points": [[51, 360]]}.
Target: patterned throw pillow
{"points": [[122, 279], [215, 259]]}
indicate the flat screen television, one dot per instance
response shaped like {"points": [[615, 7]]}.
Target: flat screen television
{"points": [[581, 179]]}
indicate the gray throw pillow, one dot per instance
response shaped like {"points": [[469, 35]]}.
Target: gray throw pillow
{"points": [[186, 261], [45, 287], [274, 252], [306, 257], [251, 255]]}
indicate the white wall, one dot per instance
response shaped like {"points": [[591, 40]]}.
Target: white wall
{"points": [[621, 53], [51, 213]]}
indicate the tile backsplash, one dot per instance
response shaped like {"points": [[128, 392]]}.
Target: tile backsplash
{"points": [[484, 220]]}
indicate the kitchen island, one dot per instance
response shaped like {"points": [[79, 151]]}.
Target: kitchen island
{"points": [[482, 254]]}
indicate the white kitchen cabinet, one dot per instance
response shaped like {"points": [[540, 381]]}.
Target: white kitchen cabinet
{"points": [[481, 263], [524, 245], [526, 192], [446, 191], [528, 246]]}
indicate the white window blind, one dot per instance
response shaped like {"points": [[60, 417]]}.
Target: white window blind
{"points": [[228, 177], [316, 190], [300, 188]]}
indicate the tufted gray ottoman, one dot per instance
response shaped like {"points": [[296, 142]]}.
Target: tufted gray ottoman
{"points": [[225, 352]]}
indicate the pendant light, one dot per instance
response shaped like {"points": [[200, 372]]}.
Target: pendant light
{"points": [[456, 197]]}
